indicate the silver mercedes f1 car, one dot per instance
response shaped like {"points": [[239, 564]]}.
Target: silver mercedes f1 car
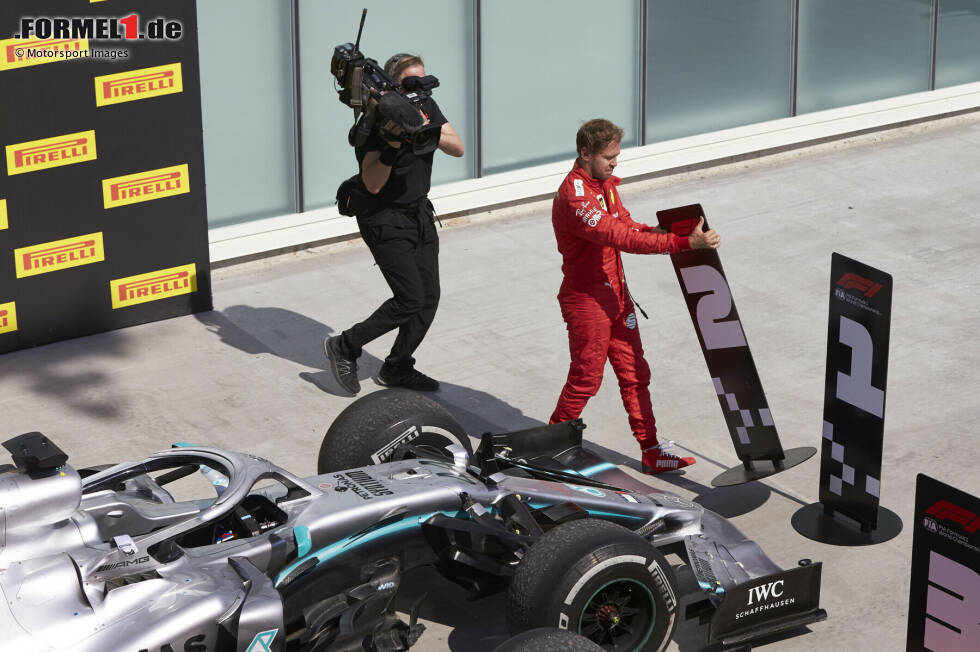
{"points": [[107, 559]]}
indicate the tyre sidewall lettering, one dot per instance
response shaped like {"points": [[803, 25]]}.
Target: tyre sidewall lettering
{"points": [[621, 567]]}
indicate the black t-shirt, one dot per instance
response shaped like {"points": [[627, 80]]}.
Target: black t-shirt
{"points": [[411, 175]]}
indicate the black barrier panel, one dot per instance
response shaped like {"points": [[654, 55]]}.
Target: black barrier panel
{"points": [[854, 394], [726, 351], [102, 205], [944, 596]]}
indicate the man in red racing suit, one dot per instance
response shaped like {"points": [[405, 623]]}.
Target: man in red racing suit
{"points": [[592, 227]]}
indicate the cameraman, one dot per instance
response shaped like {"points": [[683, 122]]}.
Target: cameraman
{"points": [[399, 230]]}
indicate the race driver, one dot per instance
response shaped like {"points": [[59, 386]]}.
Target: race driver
{"points": [[592, 227]]}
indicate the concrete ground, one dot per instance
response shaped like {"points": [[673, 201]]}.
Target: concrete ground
{"points": [[251, 374]]}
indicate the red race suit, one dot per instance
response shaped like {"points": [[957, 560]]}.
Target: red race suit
{"points": [[592, 226]]}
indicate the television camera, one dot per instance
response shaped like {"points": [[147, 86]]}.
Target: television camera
{"points": [[380, 102]]}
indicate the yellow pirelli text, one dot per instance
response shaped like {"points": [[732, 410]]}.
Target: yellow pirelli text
{"points": [[151, 286], [51, 152], [138, 84], [145, 186], [8, 317], [23, 52], [59, 254]]}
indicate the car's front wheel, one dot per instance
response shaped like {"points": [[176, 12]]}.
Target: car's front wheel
{"points": [[597, 579]]}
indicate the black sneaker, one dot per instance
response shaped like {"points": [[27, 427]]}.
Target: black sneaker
{"points": [[344, 369], [411, 379]]}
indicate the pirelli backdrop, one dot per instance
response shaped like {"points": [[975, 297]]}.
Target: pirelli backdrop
{"points": [[102, 212]]}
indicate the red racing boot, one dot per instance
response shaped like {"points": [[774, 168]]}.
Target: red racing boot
{"points": [[656, 460]]}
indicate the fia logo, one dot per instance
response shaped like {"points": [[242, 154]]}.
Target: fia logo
{"points": [[930, 525], [765, 591]]}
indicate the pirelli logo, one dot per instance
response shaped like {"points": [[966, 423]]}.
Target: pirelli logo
{"points": [[153, 285], [138, 84], [3, 214], [8, 317], [145, 186], [23, 52], [51, 152], [60, 254]]}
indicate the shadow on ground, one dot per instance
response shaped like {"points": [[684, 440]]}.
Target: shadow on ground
{"points": [[298, 338], [50, 371]]}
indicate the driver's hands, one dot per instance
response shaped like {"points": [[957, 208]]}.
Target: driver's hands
{"points": [[701, 239]]}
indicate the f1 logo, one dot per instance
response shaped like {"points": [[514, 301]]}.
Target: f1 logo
{"points": [[943, 509], [263, 641], [683, 227], [852, 281], [952, 608]]}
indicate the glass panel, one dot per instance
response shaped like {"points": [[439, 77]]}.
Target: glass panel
{"points": [[246, 96], [710, 69], [440, 30], [854, 51], [550, 65], [958, 45]]}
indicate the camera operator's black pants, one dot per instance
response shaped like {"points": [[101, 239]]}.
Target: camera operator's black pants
{"points": [[405, 246]]}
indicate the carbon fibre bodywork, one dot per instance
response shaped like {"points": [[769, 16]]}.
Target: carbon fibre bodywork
{"points": [[277, 562]]}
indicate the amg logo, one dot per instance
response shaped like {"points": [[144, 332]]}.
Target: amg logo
{"points": [[763, 592], [851, 281], [76, 252], [138, 84], [123, 564], [40, 155], [154, 285], [943, 510], [146, 186]]}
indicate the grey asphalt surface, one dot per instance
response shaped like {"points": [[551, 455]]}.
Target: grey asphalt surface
{"points": [[251, 374]]}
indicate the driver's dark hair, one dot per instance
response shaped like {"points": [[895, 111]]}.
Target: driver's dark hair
{"points": [[595, 135]]}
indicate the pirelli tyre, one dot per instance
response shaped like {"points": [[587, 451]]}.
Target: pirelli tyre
{"points": [[597, 579], [386, 426], [548, 639]]}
